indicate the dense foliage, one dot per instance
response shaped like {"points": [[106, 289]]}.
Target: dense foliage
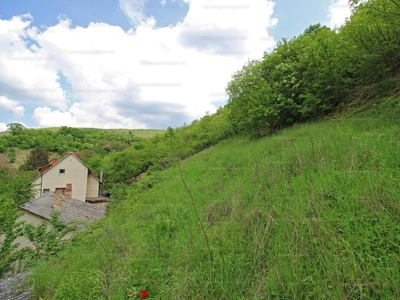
{"points": [[9, 231], [13, 185], [121, 156], [160, 151], [314, 75], [67, 139]]}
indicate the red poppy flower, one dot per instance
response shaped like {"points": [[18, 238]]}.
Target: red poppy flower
{"points": [[144, 294]]}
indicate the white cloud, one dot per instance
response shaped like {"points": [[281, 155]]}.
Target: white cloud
{"points": [[146, 77], [78, 116], [27, 74], [46, 118], [133, 9], [10, 106], [338, 12], [3, 126]]}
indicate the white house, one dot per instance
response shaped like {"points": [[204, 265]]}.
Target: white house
{"points": [[68, 175], [65, 186]]}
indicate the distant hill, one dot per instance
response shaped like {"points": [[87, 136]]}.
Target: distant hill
{"points": [[136, 132], [62, 139]]}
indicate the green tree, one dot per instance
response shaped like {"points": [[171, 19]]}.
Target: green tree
{"points": [[374, 33], [11, 155], [15, 128], [306, 75], [13, 192], [9, 231], [13, 185], [46, 237], [250, 105], [38, 157], [48, 240]]}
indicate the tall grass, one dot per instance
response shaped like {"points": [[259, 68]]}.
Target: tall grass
{"points": [[309, 213]]}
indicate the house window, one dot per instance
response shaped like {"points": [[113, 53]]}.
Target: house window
{"points": [[62, 171], [46, 191]]}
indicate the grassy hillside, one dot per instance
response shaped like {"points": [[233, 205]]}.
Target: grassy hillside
{"points": [[20, 156], [309, 213], [4, 162]]}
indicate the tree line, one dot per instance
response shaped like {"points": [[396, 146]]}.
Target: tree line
{"points": [[121, 156], [315, 74], [64, 139]]}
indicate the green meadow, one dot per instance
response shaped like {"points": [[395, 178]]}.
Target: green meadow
{"points": [[311, 212]]}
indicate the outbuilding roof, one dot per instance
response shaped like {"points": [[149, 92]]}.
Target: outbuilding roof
{"points": [[70, 210]]}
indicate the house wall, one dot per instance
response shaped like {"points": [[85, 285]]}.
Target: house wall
{"points": [[30, 219], [34, 220], [75, 173], [92, 187]]}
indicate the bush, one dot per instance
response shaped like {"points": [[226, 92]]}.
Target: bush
{"points": [[84, 284]]}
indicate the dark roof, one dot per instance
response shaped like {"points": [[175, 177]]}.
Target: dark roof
{"points": [[74, 210]]}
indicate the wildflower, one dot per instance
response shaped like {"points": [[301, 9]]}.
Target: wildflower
{"points": [[144, 294]]}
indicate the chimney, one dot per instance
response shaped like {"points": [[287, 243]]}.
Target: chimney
{"points": [[53, 161], [57, 204], [68, 192]]}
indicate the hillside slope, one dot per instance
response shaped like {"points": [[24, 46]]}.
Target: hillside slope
{"points": [[311, 212], [4, 162]]}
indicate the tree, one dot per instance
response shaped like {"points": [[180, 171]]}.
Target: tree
{"points": [[13, 185], [250, 106], [13, 192], [374, 32], [15, 128], [38, 157], [48, 240], [9, 231]]}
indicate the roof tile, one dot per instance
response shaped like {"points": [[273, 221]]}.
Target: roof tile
{"points": [[73, 210]]}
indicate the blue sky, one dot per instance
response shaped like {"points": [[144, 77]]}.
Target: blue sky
{"points": [[136, 63]]}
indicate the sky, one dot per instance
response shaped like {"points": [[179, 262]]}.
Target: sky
{"points": [[137, 63]]}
